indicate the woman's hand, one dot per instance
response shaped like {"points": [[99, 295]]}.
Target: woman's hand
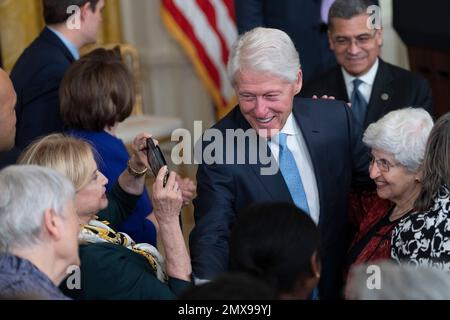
{"points": [[188, 189], [139, 159], [167, 201]]}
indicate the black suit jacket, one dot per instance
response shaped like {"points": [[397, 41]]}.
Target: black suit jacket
{"points": [[36, 77], [339, 159], [393, 88]]}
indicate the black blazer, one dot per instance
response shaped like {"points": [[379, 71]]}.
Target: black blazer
{"points": [[339, 159], [36, 77], [393, 88]]}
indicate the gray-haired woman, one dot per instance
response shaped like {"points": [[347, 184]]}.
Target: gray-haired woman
{"points": [[38, 232], [397, 143], [424, 237]]}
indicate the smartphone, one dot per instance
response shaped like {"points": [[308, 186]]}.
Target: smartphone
{"points": [[156, 159]]}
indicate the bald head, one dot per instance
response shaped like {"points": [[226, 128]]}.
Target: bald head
{"points": [[7, 112]]}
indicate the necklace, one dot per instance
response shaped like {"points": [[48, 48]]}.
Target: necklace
{"points": [[397, 216]]}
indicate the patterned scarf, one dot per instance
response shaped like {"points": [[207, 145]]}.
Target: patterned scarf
{"points": [[99, 231]]}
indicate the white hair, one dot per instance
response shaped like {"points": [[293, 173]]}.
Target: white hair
{"points": [[402, 133], [26, 192], [397, 282], [264, 50]]}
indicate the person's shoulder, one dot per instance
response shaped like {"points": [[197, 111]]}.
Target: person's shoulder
{"points": [[98, 255], [42, 57], [402, 75], [321, 82], [317, 106]]}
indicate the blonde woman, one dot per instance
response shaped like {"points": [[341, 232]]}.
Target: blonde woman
{"points": [[112, 265]]}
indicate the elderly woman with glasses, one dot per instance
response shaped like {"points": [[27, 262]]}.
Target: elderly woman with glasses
{"points": [[397, 143]]}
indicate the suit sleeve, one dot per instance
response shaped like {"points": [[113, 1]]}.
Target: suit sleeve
{"points": [[249, 14], [214, 215]]}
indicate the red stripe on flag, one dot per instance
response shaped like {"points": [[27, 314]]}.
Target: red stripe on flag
{"points": [[201, 52], [210, 14], [230, 7]]}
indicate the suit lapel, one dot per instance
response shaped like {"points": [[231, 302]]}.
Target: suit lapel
{"points": [[274, 184], [381, 94]]}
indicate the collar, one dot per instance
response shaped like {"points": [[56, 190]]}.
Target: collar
{"points": [[70, 46], [368, 78], [289, 126]]}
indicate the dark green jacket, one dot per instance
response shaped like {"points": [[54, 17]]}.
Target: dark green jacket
{"points": [[110, 271]]}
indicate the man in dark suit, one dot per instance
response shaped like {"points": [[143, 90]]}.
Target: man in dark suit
{"points": [[313, 142], [39, 70], [356, 43]]}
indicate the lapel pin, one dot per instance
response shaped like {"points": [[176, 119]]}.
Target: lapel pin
{"points": [[384, 96]]}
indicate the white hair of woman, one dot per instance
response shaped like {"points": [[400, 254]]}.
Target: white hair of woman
{"points": [[402, 133], [264, 50], [388, 280], [38, 232], [26, 193]]}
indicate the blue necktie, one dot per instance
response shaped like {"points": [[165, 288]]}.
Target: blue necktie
{"points": [[359, 104], [291, 175]]}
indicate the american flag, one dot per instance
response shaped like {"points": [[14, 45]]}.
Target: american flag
{"points": [[206, 29]]}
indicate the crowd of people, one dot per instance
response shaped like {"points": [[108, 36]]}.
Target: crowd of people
{"points": [[362, 181]]}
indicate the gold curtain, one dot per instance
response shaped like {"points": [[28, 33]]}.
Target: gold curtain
{"points": [[21, 21]]}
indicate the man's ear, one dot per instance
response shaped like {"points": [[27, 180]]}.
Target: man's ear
{"points": [[52, 224], [379, 36], [85, 10], [316, 266], [330, 41], [299, 81]]}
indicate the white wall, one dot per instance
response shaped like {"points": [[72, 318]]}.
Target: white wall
{"points": [[170, 85], [394, 50]]}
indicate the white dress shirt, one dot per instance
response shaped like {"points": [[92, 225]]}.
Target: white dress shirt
{"points": [[297, 145], [367, 81]]}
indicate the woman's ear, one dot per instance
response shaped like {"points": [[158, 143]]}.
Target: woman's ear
{"points": [[52, 224]]}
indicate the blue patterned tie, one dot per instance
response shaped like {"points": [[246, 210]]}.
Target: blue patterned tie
{"points": [[291, 174], [359, 104]]}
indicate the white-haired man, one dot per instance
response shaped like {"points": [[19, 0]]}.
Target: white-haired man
{"points": [[314, 142]]}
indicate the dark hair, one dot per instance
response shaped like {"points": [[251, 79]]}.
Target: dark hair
{"points": [[55, 11], [97, 91], [347, 9], [436, 164], [231, 286], [274, 242]]}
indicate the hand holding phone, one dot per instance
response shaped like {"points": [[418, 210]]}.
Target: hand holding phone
{"points": [[156, 159]]}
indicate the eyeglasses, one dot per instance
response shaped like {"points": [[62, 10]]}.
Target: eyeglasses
{"points": [[382, 164], [360, 41]]}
